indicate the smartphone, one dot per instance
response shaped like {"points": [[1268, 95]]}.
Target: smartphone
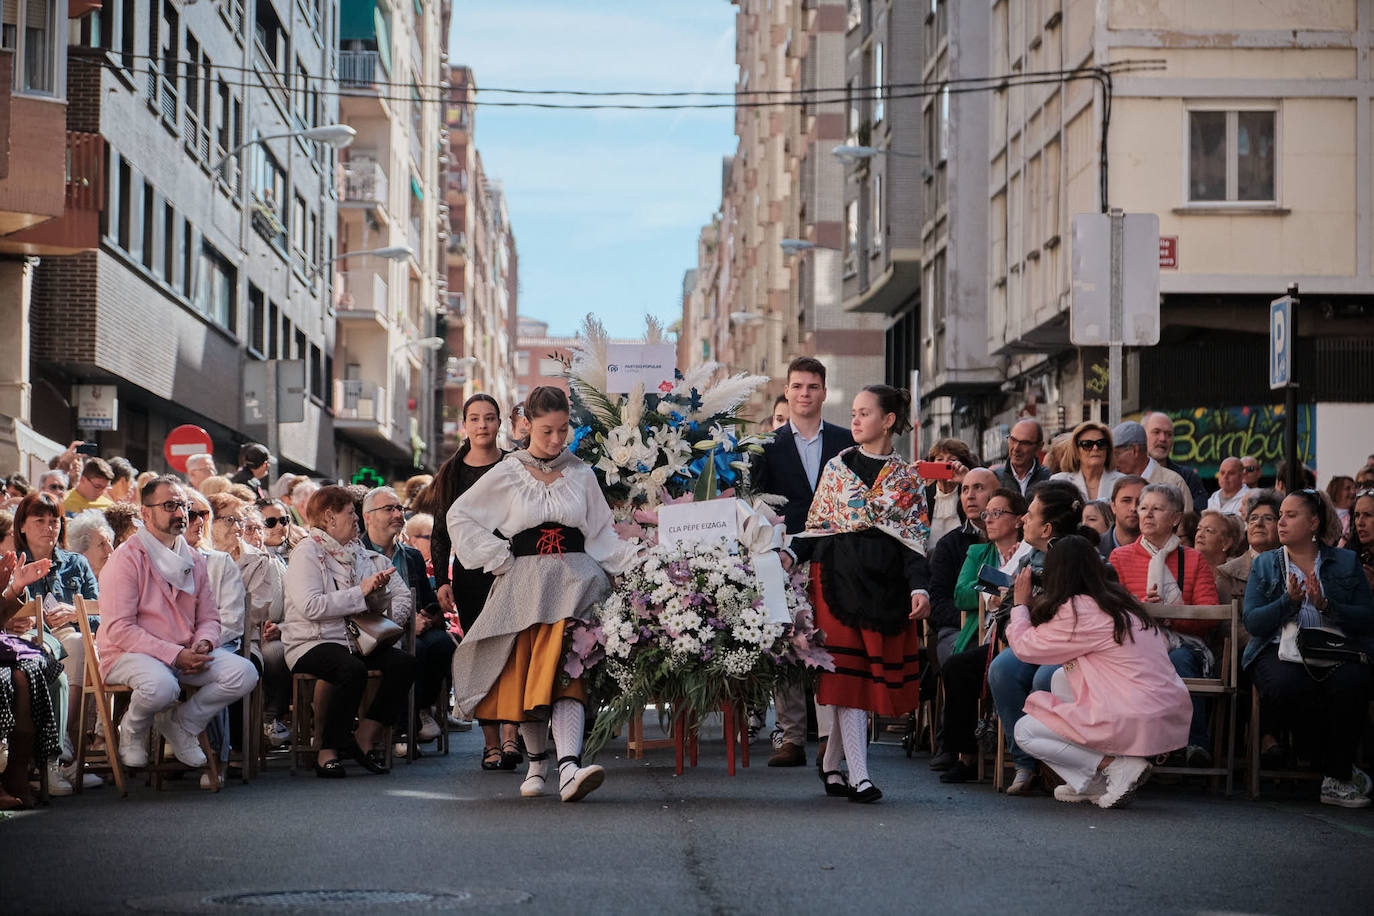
{"points": [[992, 580], [935, 470], [89, 448]]}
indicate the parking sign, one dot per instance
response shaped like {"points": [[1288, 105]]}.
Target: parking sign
{"points": [[1281, 342]]}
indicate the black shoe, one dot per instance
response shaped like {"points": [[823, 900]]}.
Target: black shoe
{"points": [[372, 761], [1199, 757], [510, 756], [333, 769], [835, 789], [492, 758], [943, 761], [865, 796], [960, 772]]}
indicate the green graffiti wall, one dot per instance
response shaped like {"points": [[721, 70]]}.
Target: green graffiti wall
{"points": [[1203, 436]]}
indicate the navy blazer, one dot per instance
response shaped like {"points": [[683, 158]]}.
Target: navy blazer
{"points": [[1349, 604], [779, 470]]}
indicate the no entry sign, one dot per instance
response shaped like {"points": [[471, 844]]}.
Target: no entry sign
{"points": [[185, 441]]}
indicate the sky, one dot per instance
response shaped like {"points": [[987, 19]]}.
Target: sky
{"points": [[606, 205]]}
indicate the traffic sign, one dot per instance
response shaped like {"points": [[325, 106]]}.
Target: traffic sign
{"points": [[183, 442], [1281, 342], [1136, 277]]}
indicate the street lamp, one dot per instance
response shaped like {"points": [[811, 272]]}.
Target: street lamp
{"points": [[796, 246], [391, 253], [335, 135]]}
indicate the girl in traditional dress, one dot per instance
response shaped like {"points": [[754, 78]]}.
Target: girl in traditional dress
{"points": [[866, 537], [556, 546]]}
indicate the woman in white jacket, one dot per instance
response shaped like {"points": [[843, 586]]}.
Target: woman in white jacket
{"points": [[330, 578]]}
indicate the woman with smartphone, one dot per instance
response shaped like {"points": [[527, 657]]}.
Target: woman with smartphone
{"points": [[866, 536], [330, 578]]}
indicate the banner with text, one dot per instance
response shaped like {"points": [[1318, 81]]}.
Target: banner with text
{"points": [[1203, 436]]}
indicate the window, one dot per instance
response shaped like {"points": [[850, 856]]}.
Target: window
{"points": [[522, 362], [851, 237], [29, 29], [876, 212], [124, 203], [298, 226], [273, 331], [257, 320], [169, 250], [879, 90], [853, 15], [216, 285], [301, 97], [1231, 156], [316, 373], [301, 345], [852, 123], [188, 275], [267, 182]]}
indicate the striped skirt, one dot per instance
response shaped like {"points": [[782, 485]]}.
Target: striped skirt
{"points": [[872, 671]]}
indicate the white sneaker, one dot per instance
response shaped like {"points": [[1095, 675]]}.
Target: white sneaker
{"points": [[133, 748], [56, 784], [185, 746], [68, 753], [581, 782], [1065, 794], [1344, 794], [88, 780], [429, 729], [277, 734], [1124, 775], [205, 780]]}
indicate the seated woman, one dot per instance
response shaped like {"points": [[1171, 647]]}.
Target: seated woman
{"points": [[1088, 463], [1157, 569], [1261, 534], [1056, 510], [964, 672], [264, 579], [40, 527], [89, 534], [1117, 700], [1220, 537], [28, 721], [1308, 583], [329, 579]]}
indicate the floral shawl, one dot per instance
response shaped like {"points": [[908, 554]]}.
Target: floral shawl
{"points": [[895, 504]]}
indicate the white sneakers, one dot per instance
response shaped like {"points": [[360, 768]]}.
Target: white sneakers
{"points": [[579, 782], [185, 745], [1352, 794], [57, 784], [1124, 775], [88, 780], [1065, 794], [277, 734], [429, 729], [133, 748]]}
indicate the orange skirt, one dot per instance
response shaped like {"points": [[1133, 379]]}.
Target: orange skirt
{"points": [[532, 678]]}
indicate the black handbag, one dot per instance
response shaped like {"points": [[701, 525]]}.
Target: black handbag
{"points": [[1327, 645]]}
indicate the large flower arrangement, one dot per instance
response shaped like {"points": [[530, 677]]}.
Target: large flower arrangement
{"points": [[688, 625], [645, 446]]}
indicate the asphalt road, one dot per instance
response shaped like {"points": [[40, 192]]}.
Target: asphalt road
{"points": [[440, 835]]}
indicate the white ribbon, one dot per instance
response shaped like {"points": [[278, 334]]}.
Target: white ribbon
{"points": [[762, 539]]}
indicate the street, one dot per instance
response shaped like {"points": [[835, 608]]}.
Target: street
{"points": [[440, 834]]}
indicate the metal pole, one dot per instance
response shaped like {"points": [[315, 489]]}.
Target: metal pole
{"points": [[1118, 218], [273, 428], [1293, 476]]}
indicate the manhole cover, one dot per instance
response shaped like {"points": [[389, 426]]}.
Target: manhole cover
{"points": [[331, 898], [328, 900]]}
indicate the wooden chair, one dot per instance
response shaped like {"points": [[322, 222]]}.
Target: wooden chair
{"points": [[102, 696], [1221, 688], [1253, 756], [412, 727], [635, 742], [309, 693], [252, 754], [997, 766]]}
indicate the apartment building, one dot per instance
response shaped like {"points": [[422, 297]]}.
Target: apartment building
{"points": [[214, 235], [770, 269], [1247, 133], [539, 357], [482, 270], [387, 306]]}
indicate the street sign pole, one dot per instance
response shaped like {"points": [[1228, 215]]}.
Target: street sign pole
{"points": [[1293, 479], [1116, 320]]}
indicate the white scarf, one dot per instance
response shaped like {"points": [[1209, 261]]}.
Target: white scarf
{"points": [[176, 566], [1165, 583]]}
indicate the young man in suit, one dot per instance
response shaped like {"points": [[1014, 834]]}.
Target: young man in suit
{"points": [[791, 466]]}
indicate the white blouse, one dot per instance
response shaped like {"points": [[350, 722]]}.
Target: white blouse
{"points": [[510, 499]]}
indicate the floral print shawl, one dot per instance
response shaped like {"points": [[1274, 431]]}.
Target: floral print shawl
{"points": [[895, 504]]}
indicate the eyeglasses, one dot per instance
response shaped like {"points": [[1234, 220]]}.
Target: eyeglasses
{"points": [[197, 515], [390, 507], [1089, 445], [275, 521], [988, 514], [1015, 441], [230, 520], [1264, 518], [1249, 467], [171, 506]]}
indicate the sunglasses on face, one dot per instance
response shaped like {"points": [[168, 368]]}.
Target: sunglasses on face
{"points": [[1090, 445], [56, 487], [197, 515], [274, 522]]}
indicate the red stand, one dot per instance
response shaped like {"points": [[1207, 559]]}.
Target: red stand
{"points": [[687, 737]]}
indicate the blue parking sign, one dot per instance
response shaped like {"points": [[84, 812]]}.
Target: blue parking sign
{"points": [[1281, 332]]}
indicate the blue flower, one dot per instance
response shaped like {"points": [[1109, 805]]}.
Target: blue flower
{"points": [[725, 474], [579, 433]]}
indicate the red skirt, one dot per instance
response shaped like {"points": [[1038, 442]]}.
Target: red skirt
{"points": [[872, 671]]}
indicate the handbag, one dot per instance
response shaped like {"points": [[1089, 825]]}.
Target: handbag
{"points": [[373, 630]]}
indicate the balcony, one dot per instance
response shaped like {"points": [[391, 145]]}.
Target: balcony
{"points": [[413, 235], [362, 297], [359, 405], [78, 226], [457, 305], [358, 69], [365, 183], [457, 248]]}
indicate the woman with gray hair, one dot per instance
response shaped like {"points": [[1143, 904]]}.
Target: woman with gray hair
{"points": [[89, 534]]}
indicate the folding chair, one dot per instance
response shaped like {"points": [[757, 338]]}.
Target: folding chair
{"points": [[309, 693], [1222, 687], [107, 759]]}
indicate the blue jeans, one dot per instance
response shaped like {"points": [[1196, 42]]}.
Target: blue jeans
{"points": [[1010, 681], [1188, 663]]}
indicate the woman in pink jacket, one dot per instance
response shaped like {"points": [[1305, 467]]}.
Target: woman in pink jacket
{"points": [[1117, 701]]}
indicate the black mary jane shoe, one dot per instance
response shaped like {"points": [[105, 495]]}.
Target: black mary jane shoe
{"points": [[865, 796], [959, 772], [835, 789], [492, 758], [332, 769], [510, 755], [372, 761]]}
